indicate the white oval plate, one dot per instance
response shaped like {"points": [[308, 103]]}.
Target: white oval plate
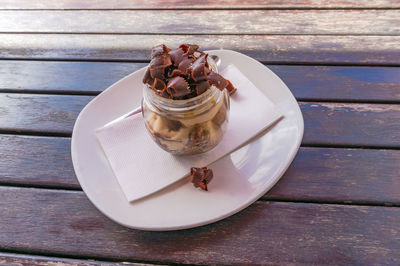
{"points": [[239, 178]]}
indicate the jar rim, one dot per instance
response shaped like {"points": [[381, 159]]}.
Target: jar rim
{"points": [[185, 105]]}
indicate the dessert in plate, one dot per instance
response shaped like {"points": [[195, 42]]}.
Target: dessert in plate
{"points": [[185, 101], [121, 169]]}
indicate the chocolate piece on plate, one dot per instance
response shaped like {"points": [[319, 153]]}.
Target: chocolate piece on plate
{"points": [[201, 177]]}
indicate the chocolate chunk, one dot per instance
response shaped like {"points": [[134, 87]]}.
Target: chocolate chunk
{"points": [[220, 82], [159, 50], [202, 86], [201, 177], [230, 88], [184, 65], [147, 79], [159, 85], [189, 49], [158, 66], [176, 72], [177, 56], [178, 87], [161, 60], [200, 69], [155, 73], [217, 80]]}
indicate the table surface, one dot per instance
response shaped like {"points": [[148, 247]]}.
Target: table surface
{"points": [[337, 204]]}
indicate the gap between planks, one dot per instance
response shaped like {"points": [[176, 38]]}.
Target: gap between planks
{"points": [[67, 133], [203, 8], [95, 93], [313, 145], [289, 63], [202, 34], [62, 189], [176, 4], [263, 22], [59, 259]]}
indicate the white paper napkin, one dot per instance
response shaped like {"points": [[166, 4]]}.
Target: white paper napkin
{"points": [[142, 168]]}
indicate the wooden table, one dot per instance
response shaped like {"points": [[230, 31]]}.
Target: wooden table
{"points": [[337, 204]]}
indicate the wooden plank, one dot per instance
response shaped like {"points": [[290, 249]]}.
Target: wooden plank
{"points": [[66, 223], [341, 175], [62, 77], [325, 123], [21, 260], [333, 22], [176, 4], [341, 83], [40, 113], [280, 48], [39, 161], [351, 124], [306, 82], [46, 161]]}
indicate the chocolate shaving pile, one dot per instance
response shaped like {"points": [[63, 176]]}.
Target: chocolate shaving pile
{"points": [[182, 73], [201, 177]]}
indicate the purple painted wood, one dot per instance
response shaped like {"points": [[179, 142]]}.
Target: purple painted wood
{"points": [[38, 161], [40, 113], [341, 175], [325, 123], [351, 124], [306, 82], [66, 223], [177, 4], [58, 222], [353, 175], [232, 22], [13, 259], [265, 48], [62, 77], [379, 84]]}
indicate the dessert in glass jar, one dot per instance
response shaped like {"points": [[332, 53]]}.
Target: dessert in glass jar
{"points": [[185, 101]]}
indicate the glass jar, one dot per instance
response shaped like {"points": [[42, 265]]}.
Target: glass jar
{"points": [[191, 126]]}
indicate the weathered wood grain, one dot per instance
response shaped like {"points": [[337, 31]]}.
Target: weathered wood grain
{"points": [[306, 82], [280, 48], [341, 175], [11, 259], [341, 83], [204, 22], [62, 77], [351, 124], [66, 223], [40, 161], [40, 113], [325, 123], [353, 175], [177, 4]]}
